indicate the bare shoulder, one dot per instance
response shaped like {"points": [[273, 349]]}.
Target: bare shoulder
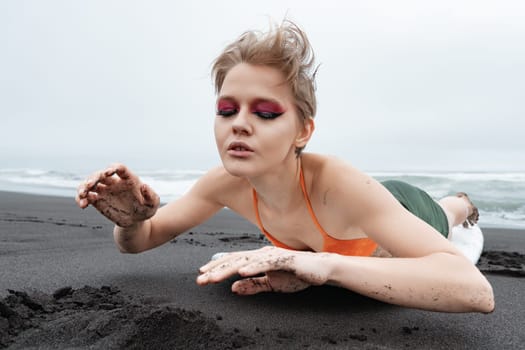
{"points": [[343, 189], [337, 177], [220, 186]]}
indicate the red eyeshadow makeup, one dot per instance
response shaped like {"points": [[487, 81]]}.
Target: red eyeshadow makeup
{"points": [[267, 109], [264, 109], [226, 107]]}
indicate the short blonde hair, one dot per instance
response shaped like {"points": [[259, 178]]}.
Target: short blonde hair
{"points": [[284, 47]]}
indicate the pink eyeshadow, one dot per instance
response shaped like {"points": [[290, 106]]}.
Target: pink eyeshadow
{"points": [[226, 105], [266, 106]]}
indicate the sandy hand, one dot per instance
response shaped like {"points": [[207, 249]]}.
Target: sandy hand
{"points": [[284, 270], [119, 195], [272, 281]]}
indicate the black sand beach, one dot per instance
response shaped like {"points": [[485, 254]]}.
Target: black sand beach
{"points": [[63, 284]]}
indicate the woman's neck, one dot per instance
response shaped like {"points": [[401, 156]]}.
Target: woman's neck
{"points": [[280, 189]]}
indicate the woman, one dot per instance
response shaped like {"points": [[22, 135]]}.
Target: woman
{"points": [[329, 222]]}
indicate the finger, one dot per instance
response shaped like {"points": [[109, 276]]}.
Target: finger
{"points": [[90, 183], [151, 199], [110, 171], [83, 188], [215, 276], [101, 188], [217, 262], [221, 272], [246, 255], [123, 172], [92, 197], [89, 198], [214, 261], [81, 202], [108, 179], [252, 285]]}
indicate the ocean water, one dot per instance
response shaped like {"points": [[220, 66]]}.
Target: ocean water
{"points": [[499, 196]]}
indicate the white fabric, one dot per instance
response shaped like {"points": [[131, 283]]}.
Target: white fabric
{"points": [[469, 241]]}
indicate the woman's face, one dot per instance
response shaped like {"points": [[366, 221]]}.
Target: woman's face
{"points": [[256, 127]]}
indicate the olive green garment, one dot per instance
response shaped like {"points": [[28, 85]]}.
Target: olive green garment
{"points": [[419, 203]]}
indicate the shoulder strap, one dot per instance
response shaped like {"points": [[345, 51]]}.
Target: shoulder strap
{"points": [[309, 205], [271, 238]]}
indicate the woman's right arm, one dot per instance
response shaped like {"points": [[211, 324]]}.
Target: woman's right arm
{"points": [[168, 222], [132, 206]]}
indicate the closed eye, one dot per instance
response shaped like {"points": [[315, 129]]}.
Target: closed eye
{"points": [[227, 107], [226, 112], [267, 115], [266, 109]]}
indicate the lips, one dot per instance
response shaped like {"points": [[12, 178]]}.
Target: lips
{"points": [[239, 150], [239, 147]]}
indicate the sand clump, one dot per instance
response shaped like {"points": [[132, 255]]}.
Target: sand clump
{"points": [[502, 263], [104, 318]]}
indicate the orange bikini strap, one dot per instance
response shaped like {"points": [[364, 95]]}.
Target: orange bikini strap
{"points": [[309, 205], [271, 238], [357, 246]]}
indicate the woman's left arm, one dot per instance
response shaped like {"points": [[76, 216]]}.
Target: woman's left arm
{"points": [[438, 282], [426, 270]]}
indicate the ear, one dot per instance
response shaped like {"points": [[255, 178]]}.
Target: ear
{"points": [[305, 133]]}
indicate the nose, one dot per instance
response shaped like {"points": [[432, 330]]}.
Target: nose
{"points": [[242, 123]]}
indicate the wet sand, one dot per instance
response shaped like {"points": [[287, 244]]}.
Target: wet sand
{"points": [[63, 284]]}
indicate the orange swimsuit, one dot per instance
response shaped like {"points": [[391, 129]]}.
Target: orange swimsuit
{"points": [[355, 247]]}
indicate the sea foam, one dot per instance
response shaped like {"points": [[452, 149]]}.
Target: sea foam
{"points": [[499, 196]]}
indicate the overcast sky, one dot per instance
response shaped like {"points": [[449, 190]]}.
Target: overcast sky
{"points": [[403, 85]]}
